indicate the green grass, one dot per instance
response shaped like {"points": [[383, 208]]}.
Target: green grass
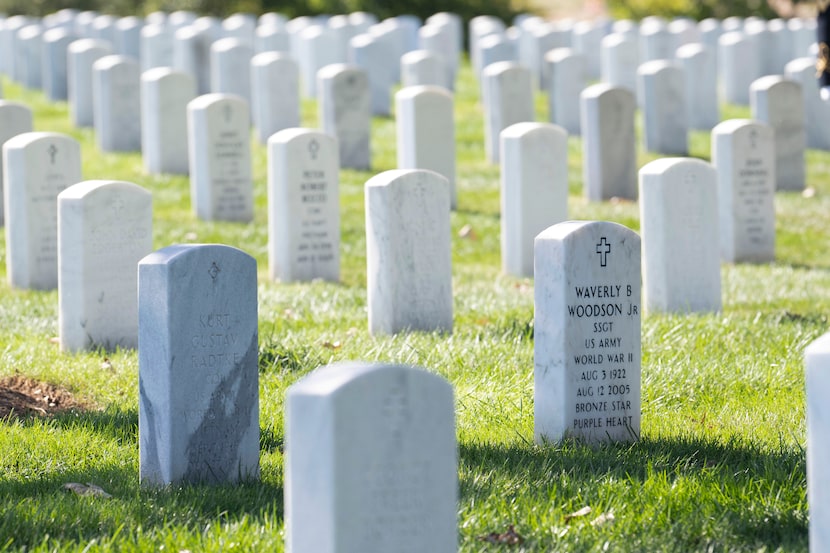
{"points": [[720, 465]]}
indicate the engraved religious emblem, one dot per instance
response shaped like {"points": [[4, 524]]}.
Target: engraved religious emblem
{"points": [[313, 148], [214, 270], [603, 249], [753, 138], [53, 151], [228, 111]]}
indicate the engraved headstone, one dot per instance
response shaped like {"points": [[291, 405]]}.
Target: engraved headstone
{"points": [[507, 90], [104, 229], [409, 277], [701, 85], [81, 55], [566, 80], [609, 157], [116, 85], [275, 93], [587, 333], [426, 132], [230, 68], [743, 154], [534, 190], [679, 227], [165, 94], [664, 107], [37, 166], [303, 206], [219, 144], [344, 112], [381, 473], [778, 102], [817, 369], [15, 118], [198, 417]]}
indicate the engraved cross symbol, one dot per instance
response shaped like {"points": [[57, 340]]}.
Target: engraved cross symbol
{"points": [[228, 111], [53, 150], [753, 138], [313, 148], [214, 270], [603, 249]]}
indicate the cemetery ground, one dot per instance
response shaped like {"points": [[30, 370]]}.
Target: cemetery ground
{"points": [[719, 466]]}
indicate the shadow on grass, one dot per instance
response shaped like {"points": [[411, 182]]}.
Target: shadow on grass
{"points": [[758, 493]]}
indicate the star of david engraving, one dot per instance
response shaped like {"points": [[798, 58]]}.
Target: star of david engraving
{"points": [[603, 249]]}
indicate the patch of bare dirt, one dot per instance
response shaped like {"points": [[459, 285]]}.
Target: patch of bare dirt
{"points": [[21, 397]]}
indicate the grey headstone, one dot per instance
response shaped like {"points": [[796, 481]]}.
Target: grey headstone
{"points": [[587, 333], [303, 206], [534, 190], [219, 144], [679, 228], [104, 229], [37, 166], [381, 472], [409, 277], [198, 418]]}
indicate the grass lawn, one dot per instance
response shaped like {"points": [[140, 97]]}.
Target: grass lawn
{"points": [[720, 465]]}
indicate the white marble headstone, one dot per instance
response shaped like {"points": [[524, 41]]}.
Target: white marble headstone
{"points": [[165, 94], [817, 368], [371, 461], [664, 107], [81, 55], [116, 86], [507, 89], [609, 156], [587, 332], [620, 58], [344, 112], [156, 45], [738, 67], [303, 206], [426, 132], [230, 68], [679, 229], [275, 93], [378, 60], [198, 417], [104, 229], [409, 276], [743, 154], [55, 45], [219, 143], [15, 118], [778, 102], [37, 166], [566, 71], [534, 190], [701, 85]]}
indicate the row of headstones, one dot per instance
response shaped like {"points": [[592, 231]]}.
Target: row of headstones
{"points": [[607, 120], [734, 50], [217, 54]]}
